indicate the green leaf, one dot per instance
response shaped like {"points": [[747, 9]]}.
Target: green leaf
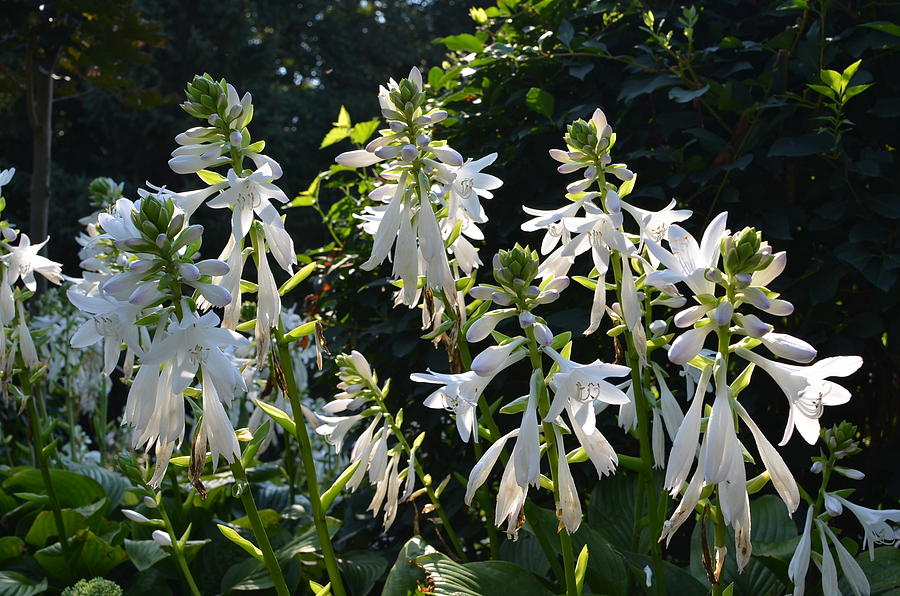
{"points": [[333, 136], [302, 200], [335, 489], [883, 573], [91, 555], [44, 526], [832, 78], [279, 416], [248, 287], [540, 101], [855, 90], [210, 177], [144, 554], [343, 120], [362, 131], [361, 569], [580, 568], [406, 575], [680, 95], [810, 144], [114, 484], [298, 277], [240, 541], [13, 583], [464, 42], [884, 26], [299, 331], [450, 578], [11, 547], [826, 91], [72, 490]]}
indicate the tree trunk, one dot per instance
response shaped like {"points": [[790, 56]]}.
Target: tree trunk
{"points": [[39, 99]]}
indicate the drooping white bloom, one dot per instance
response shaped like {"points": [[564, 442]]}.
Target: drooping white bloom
{"points": [[111, 321], [853, 573], [5, 177], [250, 195], [568, 509], [807, 389], [23, 261], [686, 258], [874, 523], [459, 393], [470, 183], [799, 564]]}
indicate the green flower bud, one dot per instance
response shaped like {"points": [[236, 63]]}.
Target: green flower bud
{"points": [[745, 252]]}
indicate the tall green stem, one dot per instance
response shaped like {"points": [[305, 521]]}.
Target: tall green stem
{"points": [[420, 473], [271, 562], [306, 456], [41, 460], [724, 336], [178, 551], [565, 540]]}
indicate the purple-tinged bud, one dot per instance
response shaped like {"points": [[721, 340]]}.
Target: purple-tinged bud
{"points": [[526, 319], [502, 298], [190, 235], [542, 335], [396, 126], [714, 275], [423, 120], [449, 156], [590, 172], [548, 296], [658, 328], [144, 295], [753, 326], [816, 468], [833, 506], [235, 138], [213, 267], [423, 140], [437, 115], [481, 293], [161, 240], [140, 266], [215, 295], [723, 313], [743, 280], [409, 153], [531, 292], [757, 298], [849, 473], [189, 271], [387, 152]]}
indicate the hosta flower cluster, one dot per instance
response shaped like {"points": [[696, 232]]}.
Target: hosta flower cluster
{"points": [[431, 195], [663, 291], [149, 289]]}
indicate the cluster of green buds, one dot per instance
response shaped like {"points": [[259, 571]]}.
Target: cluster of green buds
{"points": [[583, 136], [164, 250], [745, 252], [841, 442], [225, 138], [515, 271], [104, 192], [588, 144], [408, 137]]}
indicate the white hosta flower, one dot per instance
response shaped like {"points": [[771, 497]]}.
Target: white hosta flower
{"points": [[470, 183], [874, 523], [807, 389], [482, 469], [688, 260], [788, 346], [5, 177], [481, 328], [495, 358], [268, 307], [459, 394], [215, 427], [577, 386], [799, 564], [568, 509], [250, 195], [197, 341], [550, 220], [853, 573], [111, 321], [779, 473], [23, 261], [765, 276], [655, 224], [690, 343], [26, 343]]}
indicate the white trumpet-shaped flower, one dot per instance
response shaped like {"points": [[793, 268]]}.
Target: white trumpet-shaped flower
{"points": [[807, 389]]}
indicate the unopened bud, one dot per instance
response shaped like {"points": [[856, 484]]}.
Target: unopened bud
{"points": [[833, 506], [150, 502], [658, 327], [235, 138], [816, 468], [189, 271], [526, 319], [161, 538], [135, 516], [542, 335], [409, 153], [849, 473]]}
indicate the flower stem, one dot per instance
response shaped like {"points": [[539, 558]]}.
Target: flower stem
{"points": [[565, 540], [177, 550], [420, 473], [240, 475], [42, 465], [306, 455], [724, 335]]}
